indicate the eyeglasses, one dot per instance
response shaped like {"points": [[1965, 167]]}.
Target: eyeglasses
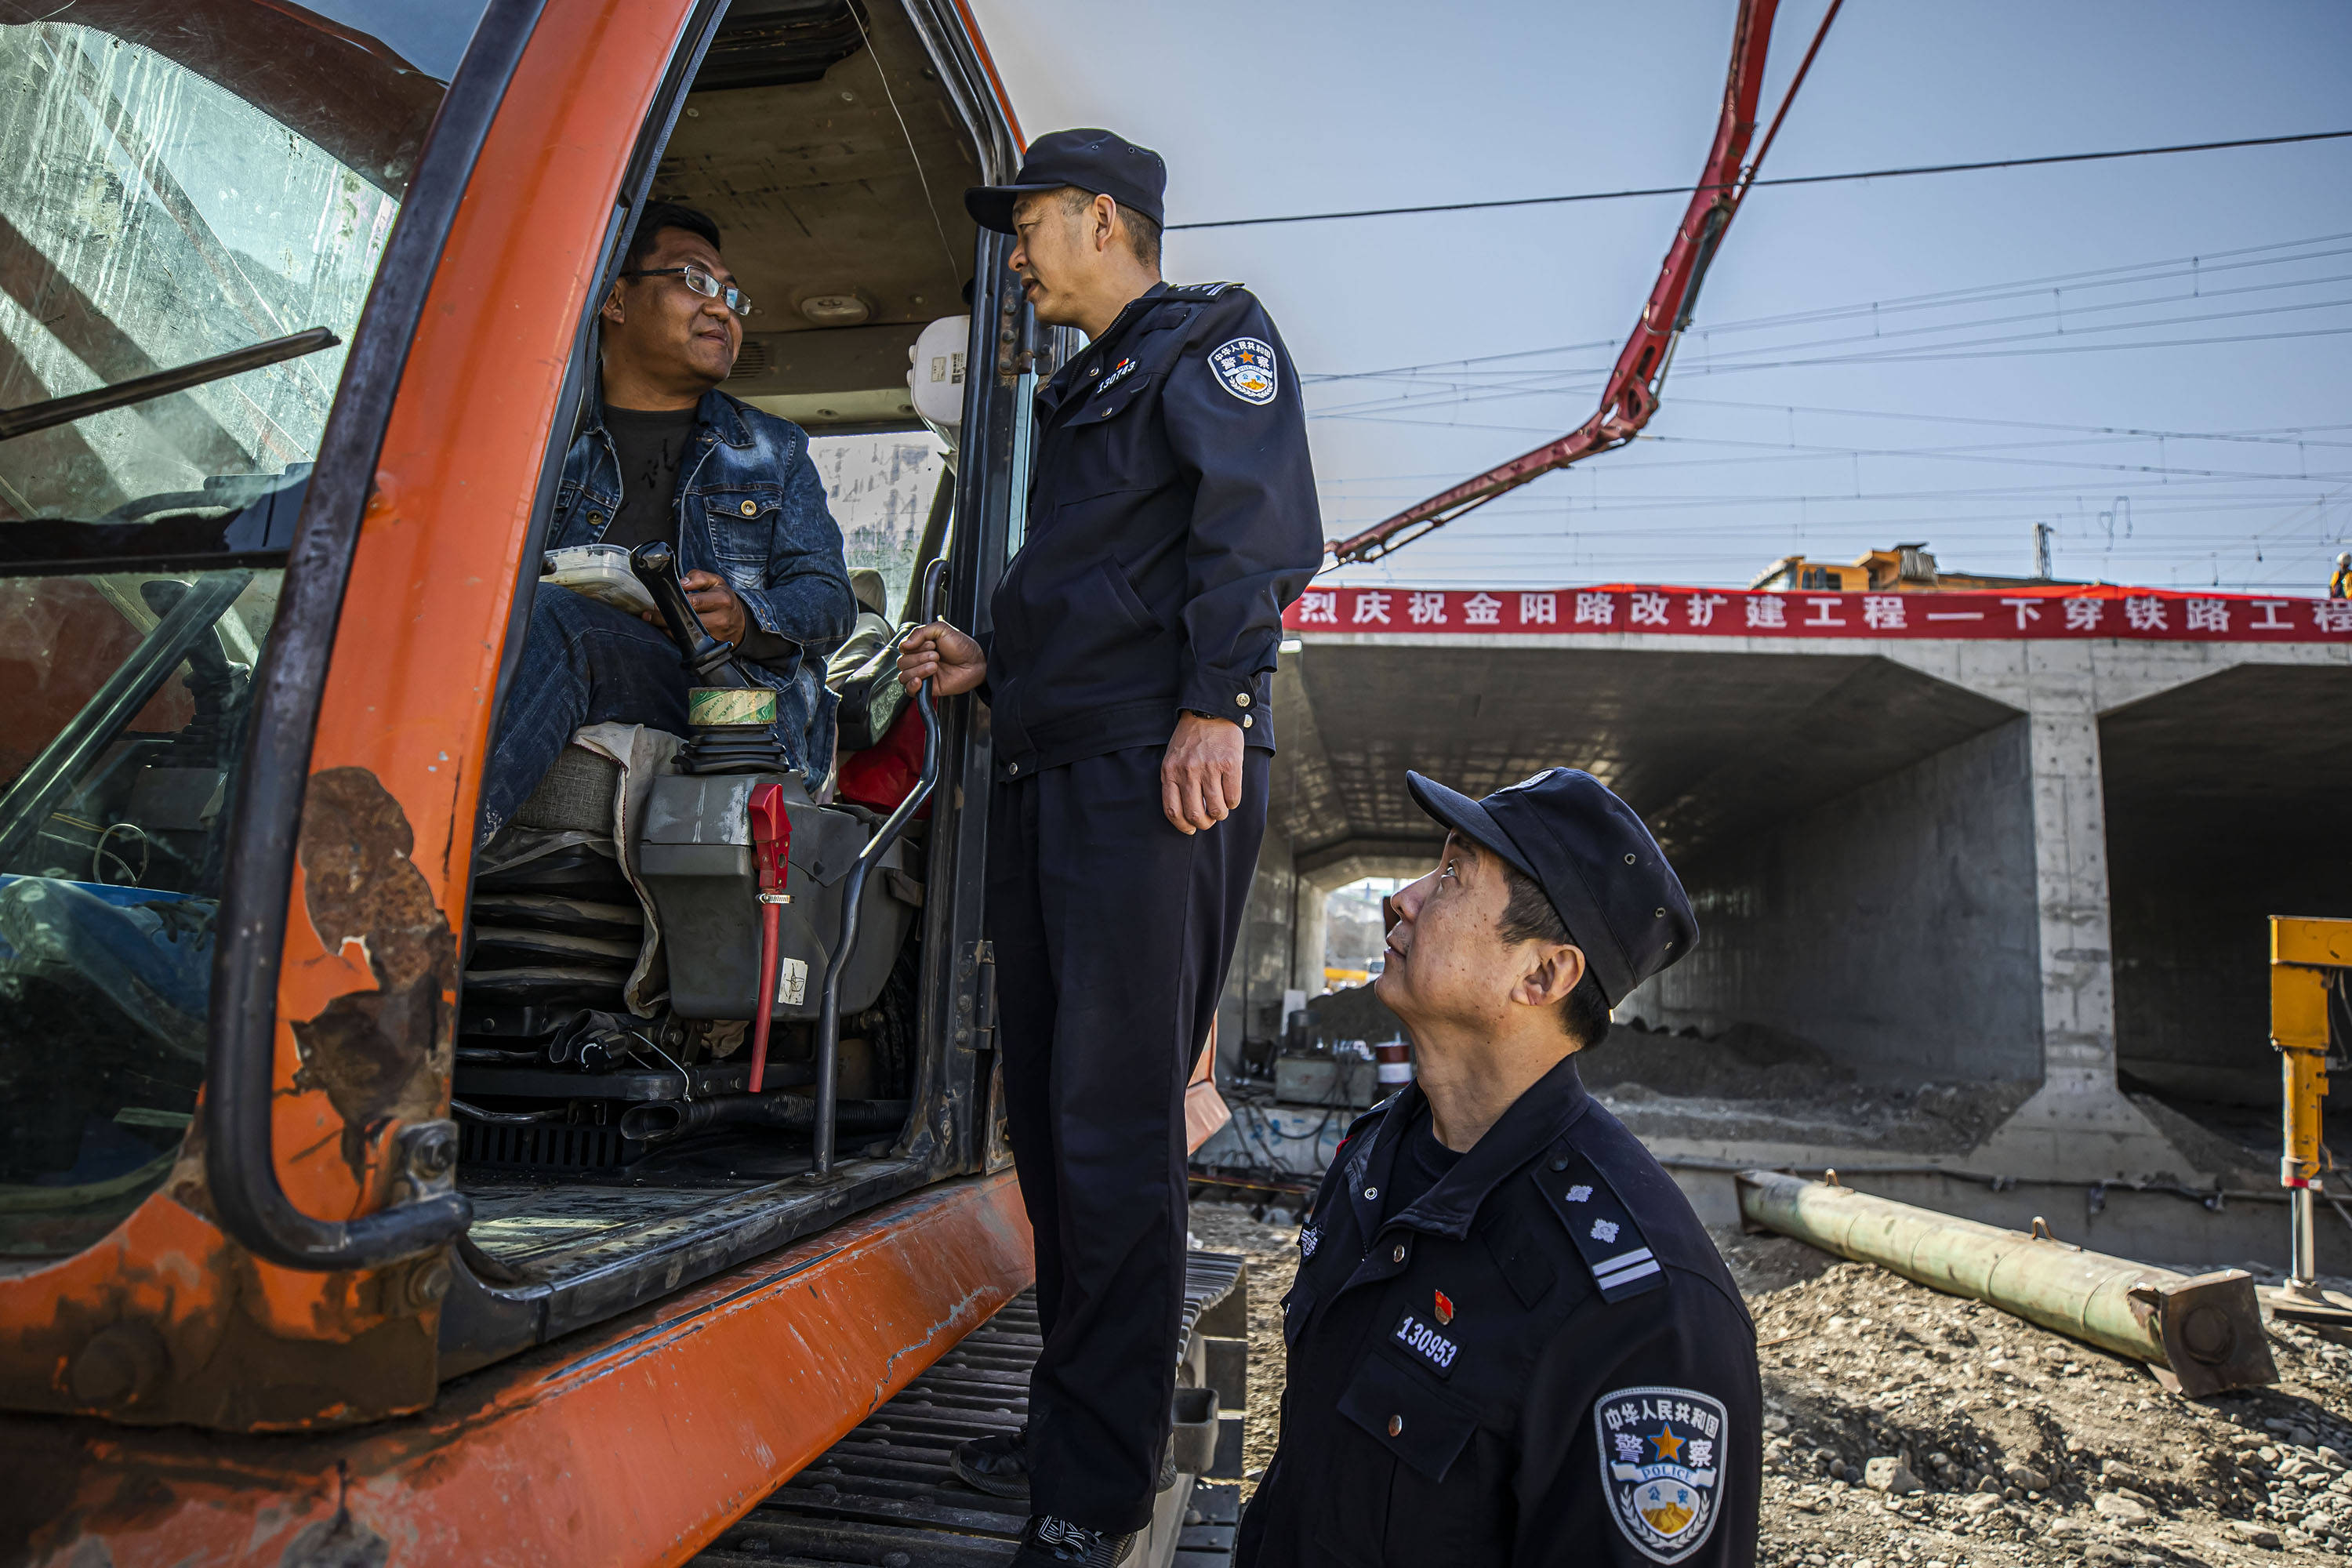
{"points": [[703, 283]]}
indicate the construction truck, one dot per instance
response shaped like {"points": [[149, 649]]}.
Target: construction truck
{"points": [[365, 1197]]}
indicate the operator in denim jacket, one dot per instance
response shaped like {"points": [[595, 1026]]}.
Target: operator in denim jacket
{"points": [[669, 456]]}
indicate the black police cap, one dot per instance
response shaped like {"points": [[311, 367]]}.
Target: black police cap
{"points": [[1605, 876], [1094, 160]]}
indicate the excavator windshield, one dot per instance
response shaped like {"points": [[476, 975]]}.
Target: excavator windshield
{"points": [[194, 196]]}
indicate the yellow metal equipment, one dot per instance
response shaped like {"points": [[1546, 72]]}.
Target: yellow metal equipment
{"points": [[2308, 958]]}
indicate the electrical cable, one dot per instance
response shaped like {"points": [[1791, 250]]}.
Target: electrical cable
{"points": [[1783, 180], [1980, 293], [1580, 378], [1924, 354], [930, 203], [2263, 435]]}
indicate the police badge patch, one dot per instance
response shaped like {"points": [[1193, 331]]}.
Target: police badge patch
{"points": [[1659, 1467], [1246, 368]]}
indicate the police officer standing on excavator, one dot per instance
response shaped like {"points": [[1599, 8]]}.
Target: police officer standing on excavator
{"points": [[1171, 520]]}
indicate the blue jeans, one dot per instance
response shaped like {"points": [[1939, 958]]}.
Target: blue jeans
{"points": [[583, 662]]}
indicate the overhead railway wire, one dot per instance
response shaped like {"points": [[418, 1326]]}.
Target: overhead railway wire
{"points": [[1910, 171], [1950, 454], [1470, 382], [1803, 451], [2265, 524], [2299, 534], [1582, 380], [1379, 418], [2114, 434], [1672, 501], [2114, 277], [1775, 452], [2057, 310], [1571, 379], [1509, 545], [2279, 433], [1802, 515], [2164, 546]]}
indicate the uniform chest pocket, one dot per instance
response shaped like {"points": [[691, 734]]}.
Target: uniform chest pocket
{"points": [[1118, 396], [1408, 1416]]}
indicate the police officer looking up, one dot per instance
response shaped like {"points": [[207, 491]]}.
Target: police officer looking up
{"points": [[1127, 667], [1510, 1340]]}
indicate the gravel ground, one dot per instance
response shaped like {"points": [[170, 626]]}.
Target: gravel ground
{"points": [[1273, 1253], [2024, 1447]]}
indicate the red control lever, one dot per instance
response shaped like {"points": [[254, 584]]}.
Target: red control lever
{"points": [[772, 844], [771, 835]]}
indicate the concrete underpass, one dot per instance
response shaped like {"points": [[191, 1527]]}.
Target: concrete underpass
{"points": [[2032, 873]]}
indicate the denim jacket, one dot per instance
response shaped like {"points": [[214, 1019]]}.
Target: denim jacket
{"points": [[750, 508]]}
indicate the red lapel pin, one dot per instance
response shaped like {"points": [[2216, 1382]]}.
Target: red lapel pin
{"points": [[1445, 1308]]}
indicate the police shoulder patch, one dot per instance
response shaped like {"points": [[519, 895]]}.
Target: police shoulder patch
{"points": [[1660, 1466], [1246, 368]]}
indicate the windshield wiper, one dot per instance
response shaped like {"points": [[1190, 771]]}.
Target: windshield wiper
{"points": [[15, 422]]}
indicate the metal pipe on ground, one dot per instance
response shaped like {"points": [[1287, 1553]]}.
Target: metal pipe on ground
{"points": [[2200, 1335]]}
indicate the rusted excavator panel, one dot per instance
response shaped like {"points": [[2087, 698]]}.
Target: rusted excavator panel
{"points": [[374, 1052], [632, 1444], [167, 1320]]}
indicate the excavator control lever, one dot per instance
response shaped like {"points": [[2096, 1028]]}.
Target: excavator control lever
{"points": [[713, 662]]}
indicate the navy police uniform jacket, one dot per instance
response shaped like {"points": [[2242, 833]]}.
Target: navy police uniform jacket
{"points": [[1171, 520], [1542, 1360]]}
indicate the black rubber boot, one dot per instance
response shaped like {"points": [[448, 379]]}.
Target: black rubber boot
{"points": [[1050, 1542], [997, 1464]]}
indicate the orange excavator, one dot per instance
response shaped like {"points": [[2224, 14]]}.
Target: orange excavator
{"points": [[364, 1198]]}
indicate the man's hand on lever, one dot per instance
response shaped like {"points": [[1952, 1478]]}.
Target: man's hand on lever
{"points": [[715, 605], [1201, 775], [941, 655]]}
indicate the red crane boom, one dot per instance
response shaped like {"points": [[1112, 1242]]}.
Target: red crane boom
{"points": [[1631, 395]]}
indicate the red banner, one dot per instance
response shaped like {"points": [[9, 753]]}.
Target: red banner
{"points": [[2101, 611]]}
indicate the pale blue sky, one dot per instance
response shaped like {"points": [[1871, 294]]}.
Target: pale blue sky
{"points": [[1310, 105]]}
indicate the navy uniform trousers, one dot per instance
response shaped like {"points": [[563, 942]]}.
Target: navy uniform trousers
{"points": [[1112, 933]]}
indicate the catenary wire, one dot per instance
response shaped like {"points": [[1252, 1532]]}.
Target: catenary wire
{"points": [[1704, 361], [1973, 293], [1783, 180]]}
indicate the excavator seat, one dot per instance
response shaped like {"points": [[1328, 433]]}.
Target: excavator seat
{"points": [[611, 958]]}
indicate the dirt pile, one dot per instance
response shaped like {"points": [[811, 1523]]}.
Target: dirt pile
{"points": [[1934, 1118], [2026, 1447], [2023, 1446], [1750, 1082], [1746, 1061]]}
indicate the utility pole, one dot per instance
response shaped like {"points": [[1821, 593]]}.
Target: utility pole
{"points": [[2042, 532]]}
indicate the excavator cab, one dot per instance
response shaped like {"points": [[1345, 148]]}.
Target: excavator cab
{"points": [[310, 1109]]}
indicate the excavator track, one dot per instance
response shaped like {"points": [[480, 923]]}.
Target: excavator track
{"points": [[884, 1496]]}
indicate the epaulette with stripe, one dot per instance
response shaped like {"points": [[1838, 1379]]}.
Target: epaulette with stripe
{"points": [[1200, 290], [1599, 1223]]}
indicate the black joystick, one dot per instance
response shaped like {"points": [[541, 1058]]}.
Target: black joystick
{"points": [[712, 661], [733, 716]]}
